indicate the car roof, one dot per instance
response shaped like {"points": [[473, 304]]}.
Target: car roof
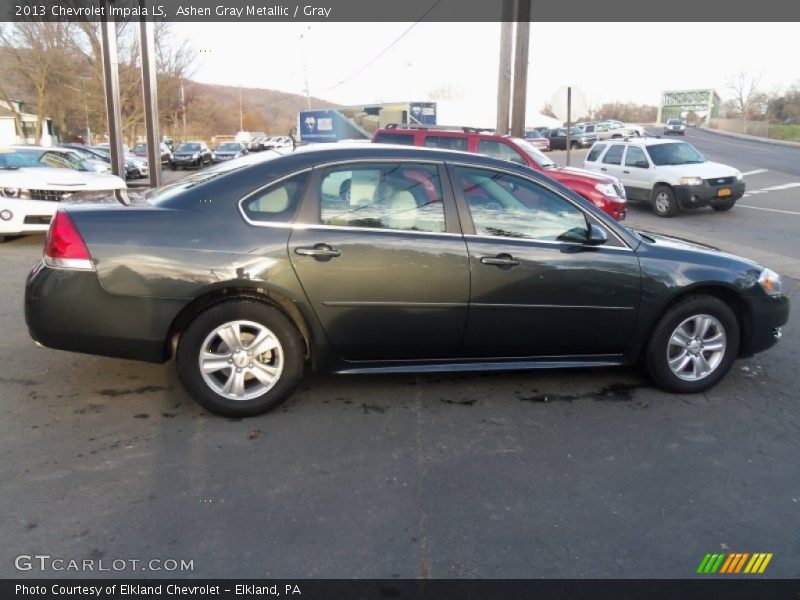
{"points": [[642, 140], [447, 133]]}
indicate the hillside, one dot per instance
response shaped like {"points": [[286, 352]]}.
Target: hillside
{"points": [[214, 109]]}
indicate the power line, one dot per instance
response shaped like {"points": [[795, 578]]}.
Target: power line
{"points": [[386, 49]]}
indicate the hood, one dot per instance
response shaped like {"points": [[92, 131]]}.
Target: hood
{"points": [[598, 177], [676, 243], [47, 178], [706, 170]]}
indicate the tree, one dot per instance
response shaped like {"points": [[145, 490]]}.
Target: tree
{"points": [[744, 90], [446, 91], [547, 110]]}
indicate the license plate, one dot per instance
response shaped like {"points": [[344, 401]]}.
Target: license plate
{"points": [[724, 192]]}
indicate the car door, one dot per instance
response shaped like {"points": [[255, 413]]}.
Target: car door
{"points": [[382, 261], [636, 174], [537, 289]]}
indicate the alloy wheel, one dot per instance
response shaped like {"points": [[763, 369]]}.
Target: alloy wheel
{"points": [[696, 347]]}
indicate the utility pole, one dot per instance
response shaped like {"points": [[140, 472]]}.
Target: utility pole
{"points": [[521, 67], [241, 113], [183, 112], [150, 96], [108, 38], [308, 93], [504, 71]]}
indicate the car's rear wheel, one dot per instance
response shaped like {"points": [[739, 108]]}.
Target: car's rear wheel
{"points": [[725, 205], [664, 202], [693, 345], [240, 358]]}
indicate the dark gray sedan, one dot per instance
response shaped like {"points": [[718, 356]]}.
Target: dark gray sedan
{"points": [[431, 261]]}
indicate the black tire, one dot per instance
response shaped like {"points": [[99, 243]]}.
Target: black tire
{"points": [[664, 202], [193, 338], [657, 351], [574, 145], [724, 205]]}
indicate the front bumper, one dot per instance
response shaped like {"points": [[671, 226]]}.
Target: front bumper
{"points": [[697, 196], [184, 162], [763, 330]]}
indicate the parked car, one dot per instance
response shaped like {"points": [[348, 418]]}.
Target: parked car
{"points": [[473, 263], [577, 138], [538, 138], [602, 191], [669, 174], [675, 126], [35, 181], [166, 154], [629, 129], [228, 150], [191, 154], [278, 141], [600, 130], [132, 168]]}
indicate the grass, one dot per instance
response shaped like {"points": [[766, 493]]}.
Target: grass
{"points": [[785, 132]]}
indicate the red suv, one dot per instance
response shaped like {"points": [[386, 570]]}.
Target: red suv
{"points": [[603, 191]]}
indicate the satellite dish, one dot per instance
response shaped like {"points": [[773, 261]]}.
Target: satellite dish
{"points": [[559, 103]]}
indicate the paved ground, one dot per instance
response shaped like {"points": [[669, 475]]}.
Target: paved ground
{"points": [[559, 474]]}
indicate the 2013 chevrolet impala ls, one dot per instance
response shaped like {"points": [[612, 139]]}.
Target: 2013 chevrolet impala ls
{"points": [[385, 259]]}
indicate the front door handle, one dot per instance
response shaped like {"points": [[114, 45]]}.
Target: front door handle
{"points": [[603, 169], [501, 260], [627, 172], [319, 251]]}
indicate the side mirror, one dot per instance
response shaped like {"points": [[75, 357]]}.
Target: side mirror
{"points": [[595, 236]]}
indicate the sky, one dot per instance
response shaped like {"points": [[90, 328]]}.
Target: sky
{"points": [[627, 62]]}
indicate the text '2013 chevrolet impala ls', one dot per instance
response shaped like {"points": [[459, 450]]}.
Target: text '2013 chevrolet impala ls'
{"points": [[386, 259]]}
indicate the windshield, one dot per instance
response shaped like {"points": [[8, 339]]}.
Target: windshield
{"points": [[535, 154], [229, 147], [674, 122], [679, 153], [140, 148], [15, 158], [189, 148]]}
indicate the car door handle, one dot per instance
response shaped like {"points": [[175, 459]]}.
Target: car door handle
{"points": [[319, 251], [501, 260], [627, 172], [603, 169]]}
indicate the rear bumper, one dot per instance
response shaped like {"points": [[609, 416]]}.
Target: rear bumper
{"points": [[70, 310], [696, 196], [767, 316]]}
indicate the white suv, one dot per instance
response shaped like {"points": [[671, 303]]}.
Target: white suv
{"points": [[669, 174]]}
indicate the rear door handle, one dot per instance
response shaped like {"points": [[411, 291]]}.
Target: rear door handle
{"points": [[627, 172], [501, 260], [603, 169], [319, 251]]}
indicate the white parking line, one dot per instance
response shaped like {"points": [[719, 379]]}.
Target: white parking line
{"points": [[775, 210], [756, 172], [785, 186]]}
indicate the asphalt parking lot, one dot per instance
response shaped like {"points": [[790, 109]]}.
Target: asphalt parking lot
{"points": [[585, 474]]}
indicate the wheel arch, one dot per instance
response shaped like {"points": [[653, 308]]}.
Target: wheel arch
{"points": [[264, 294], [720, 290]]}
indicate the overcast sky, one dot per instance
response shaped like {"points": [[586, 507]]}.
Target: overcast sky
{"points": [[608, 61]]}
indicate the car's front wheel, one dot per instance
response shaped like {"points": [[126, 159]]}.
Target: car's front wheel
{"points": [[693, 345], [665, 204], [240, 358]]}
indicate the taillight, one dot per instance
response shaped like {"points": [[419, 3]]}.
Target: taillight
{"points": [[64, 247]]}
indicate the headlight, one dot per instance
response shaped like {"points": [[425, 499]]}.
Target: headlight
{"points": [[691, 181], [11, 192], [607, 189], [196, 155], [770, 282], [739, 176], [238, 154]]}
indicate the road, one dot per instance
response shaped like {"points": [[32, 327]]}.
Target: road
{"points": [[571, 474], [765, 222]]}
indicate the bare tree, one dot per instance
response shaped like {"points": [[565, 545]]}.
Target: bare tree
{"points": [[744, 89], [446, 91]]}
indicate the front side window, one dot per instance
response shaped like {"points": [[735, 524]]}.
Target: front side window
{"points": [[635, 158], [400, 196], [504, 205], [614, 155], [278, 203], [500, 150]]}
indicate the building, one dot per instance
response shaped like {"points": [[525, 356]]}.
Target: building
{"points": [[8, 130], [676, 104]]}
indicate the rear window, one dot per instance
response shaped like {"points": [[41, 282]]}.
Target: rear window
{"points": [[447, 142], [407, 139], [277, 203], [595, 152], [614, 155]]}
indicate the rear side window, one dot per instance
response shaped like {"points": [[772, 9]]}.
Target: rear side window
{"points": [[614, 155], [447, 142], [500, 150], [595, 152], [406, 139], [635, 158], [402, 196], [278, 203]]}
